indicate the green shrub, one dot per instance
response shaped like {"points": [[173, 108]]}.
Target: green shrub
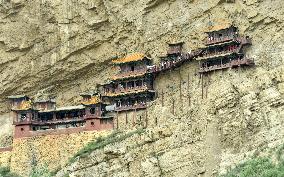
{"points": [[5, 172], [260, 167], [101, 142], [42, 171]]}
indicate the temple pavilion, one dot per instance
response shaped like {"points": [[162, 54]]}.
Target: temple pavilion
{"points": [[42, 116], [224, 48], [132, 87]]}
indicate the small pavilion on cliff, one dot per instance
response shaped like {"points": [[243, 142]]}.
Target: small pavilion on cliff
{"points": [[132, 86], [223, 49]]}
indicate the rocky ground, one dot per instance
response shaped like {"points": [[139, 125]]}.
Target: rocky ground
{"points": [[63, 47]]}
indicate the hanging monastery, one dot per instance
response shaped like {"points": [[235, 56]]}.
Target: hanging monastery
{"points": [[130, 90]]}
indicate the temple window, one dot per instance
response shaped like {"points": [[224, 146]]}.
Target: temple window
{"points": [[23, 117], [93, 110]]}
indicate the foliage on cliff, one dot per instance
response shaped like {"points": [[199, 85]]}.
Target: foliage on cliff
{"points": [[5, 172], [260, 166]]}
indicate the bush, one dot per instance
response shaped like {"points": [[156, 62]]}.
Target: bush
{"points": [[259, 167], [102, 142], [5, 172], [40, 172]]}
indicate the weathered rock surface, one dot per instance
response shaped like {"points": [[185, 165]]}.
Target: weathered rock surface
{"points": [[63, 47]]}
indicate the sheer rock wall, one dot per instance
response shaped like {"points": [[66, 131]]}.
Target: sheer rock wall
{"points": [[64, 47]]}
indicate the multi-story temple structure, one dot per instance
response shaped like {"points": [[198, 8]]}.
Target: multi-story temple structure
{"points": [[42, 116], [128, 90], [132, 87], [224, 49]]}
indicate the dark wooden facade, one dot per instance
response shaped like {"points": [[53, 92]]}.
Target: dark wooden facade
{"points": [[224, 49], [43, 117], [132, 87]]}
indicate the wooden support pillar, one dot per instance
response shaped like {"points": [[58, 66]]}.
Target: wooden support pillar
{"points": [[180, 91], [202, 85], [146, 116], [187, 82], [117, 120], [156, 121], [54, 116], [162, 98], [207, 85], [173, 111]]}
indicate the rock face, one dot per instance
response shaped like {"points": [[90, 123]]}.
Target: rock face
{"points": [[63, 47]]}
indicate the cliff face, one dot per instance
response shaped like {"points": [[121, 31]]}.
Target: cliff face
{"points": [[63, 47]]}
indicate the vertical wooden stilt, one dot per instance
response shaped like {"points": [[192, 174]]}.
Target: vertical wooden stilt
{"points": [[134, 118], [117, 120], [202, 86], [180, 91], [146, 116], [207, 85], [187, 82], [126, 118], [162, 98], [173, 107]]}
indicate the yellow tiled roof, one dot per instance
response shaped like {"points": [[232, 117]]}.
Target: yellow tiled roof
{"points": [[25, 105], [130, 58], [220, 25], [93, 100]]}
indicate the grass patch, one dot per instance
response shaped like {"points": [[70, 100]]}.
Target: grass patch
{"points": [[260, 167], [5, 172], [101, 142]]}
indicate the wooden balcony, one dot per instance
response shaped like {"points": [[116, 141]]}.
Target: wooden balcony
{"points": [[225, 40], [219, 54], [129, 74], [174, 51], [131, 107], [128, 91], [53, 121], [232, 64]]}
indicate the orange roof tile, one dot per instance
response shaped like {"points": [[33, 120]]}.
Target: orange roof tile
{"points": [[93, 100], [24, 105], [130, 58], [220, 25]]}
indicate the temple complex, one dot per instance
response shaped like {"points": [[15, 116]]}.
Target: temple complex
{"points": [[42, 116], [132, 86], [223, 49], [128, 90]]}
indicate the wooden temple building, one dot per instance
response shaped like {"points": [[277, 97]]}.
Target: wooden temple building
{"points": [[224, 48], [132, 87], [42, 116]]}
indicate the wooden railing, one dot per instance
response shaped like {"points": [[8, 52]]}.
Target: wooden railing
{"points": [[128, 90], [166, 65], [217, 54], [131, 107], [52, 121], [130, 74], [174, 51], [242, 40], [233, 63], [218, 40]]}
